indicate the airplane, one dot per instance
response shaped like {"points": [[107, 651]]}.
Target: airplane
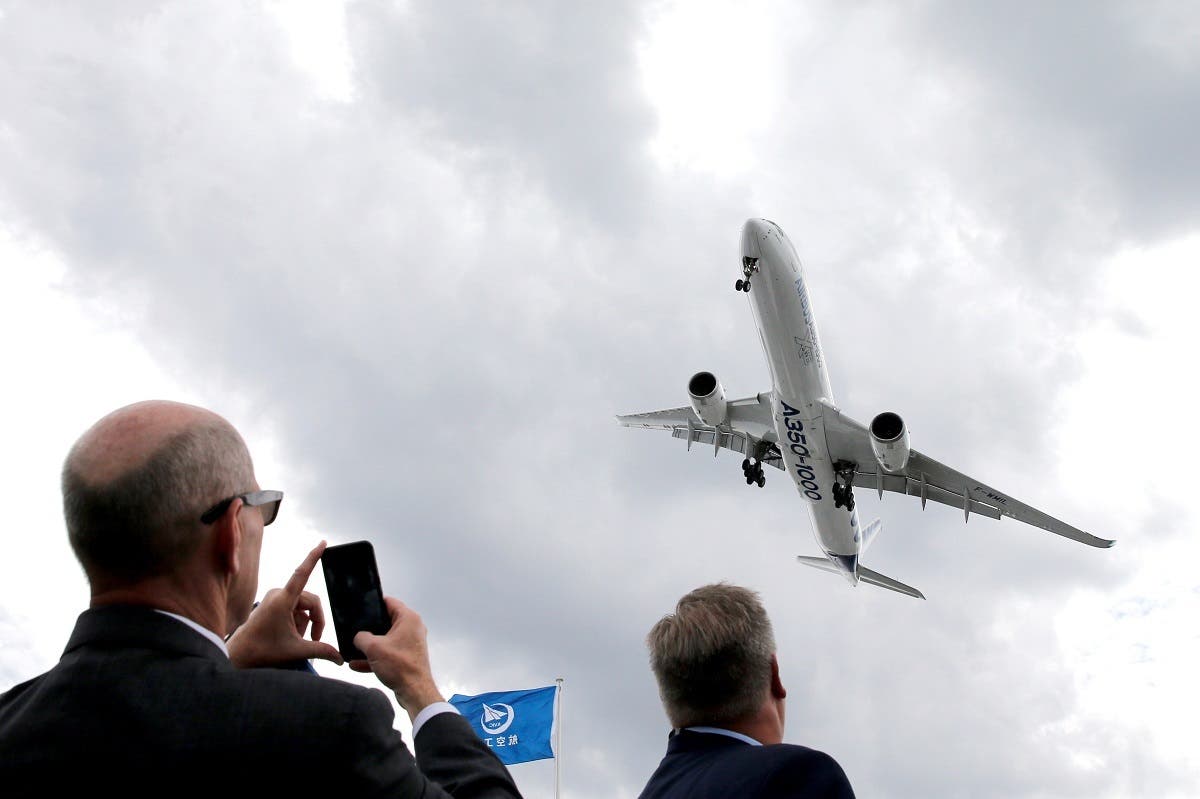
{"points": [[798, 428]]}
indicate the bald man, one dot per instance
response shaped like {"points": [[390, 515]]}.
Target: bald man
{"points": [[164, 514]]}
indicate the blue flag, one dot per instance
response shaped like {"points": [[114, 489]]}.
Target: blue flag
{"points": [[515, 724]]}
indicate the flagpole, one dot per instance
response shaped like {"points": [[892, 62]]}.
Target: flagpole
{"points": [[557, 732]]}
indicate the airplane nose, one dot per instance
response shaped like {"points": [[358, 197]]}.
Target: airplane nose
{"points": [[753, 233]]}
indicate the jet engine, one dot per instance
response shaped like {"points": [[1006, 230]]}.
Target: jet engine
{"points": [[708, 398], [889, 440]]}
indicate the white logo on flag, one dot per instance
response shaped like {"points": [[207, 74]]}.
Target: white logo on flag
{"points": [[496, 718]]}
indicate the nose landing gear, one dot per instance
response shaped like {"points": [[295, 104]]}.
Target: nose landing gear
{"points": [[749, 267]]}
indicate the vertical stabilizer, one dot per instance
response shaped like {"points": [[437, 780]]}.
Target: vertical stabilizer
{"points": [[868, 535]]}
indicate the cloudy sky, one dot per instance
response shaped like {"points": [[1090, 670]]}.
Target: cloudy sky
{"points": [[421, 253]]}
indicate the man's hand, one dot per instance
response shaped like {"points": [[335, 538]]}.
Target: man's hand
{"points": [[274, 632], [400, 659]]}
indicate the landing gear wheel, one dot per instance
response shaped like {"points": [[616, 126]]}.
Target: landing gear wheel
{"points": [[753, 472], [843, 486], [749, 267], [738, 285]]}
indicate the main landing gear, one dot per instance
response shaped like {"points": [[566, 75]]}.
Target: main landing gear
{"points": [[752, 466], [753, 471], [843, 491], [749, 267]]}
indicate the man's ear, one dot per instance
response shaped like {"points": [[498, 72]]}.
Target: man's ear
{"points": [[227, 539], [777, 689]]}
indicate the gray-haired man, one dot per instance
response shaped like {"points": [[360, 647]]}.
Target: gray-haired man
{"points": [[714, 659]]}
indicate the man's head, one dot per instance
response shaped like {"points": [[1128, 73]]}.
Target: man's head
{"points": [[136, 484], [714, 657]]}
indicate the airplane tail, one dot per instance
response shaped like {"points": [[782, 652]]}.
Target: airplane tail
{"points": [[864, 575]]}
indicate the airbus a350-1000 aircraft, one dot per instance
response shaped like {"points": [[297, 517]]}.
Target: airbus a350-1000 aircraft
{"points": [[797, 427]]}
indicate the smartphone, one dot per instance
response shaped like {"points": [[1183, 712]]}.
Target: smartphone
{"points": [[355, 596]]}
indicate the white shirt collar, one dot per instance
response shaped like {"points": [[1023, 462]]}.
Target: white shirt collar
{"points": [[207, 633], [730, 733]]}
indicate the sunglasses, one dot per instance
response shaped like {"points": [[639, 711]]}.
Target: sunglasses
{"points": [[266, 501]]}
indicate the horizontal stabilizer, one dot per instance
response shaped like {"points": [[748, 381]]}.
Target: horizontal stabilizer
{"points": [[819, 563], [875, 578], [864, 575]]}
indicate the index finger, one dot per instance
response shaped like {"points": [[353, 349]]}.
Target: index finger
{"points": [[299, 579]]}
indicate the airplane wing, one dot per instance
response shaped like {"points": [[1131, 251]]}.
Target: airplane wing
{"points": [[929, 479], [749, 423]]}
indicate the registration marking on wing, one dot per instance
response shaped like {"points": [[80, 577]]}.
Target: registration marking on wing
{"points": [[990, 495]]}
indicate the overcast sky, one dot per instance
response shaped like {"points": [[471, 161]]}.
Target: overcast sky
{"points": [[421, 253]]}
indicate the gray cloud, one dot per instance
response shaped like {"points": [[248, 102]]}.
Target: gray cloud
{"points": [[534, 92], [1105, 84]]}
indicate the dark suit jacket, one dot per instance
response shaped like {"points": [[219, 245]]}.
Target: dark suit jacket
{"points": [[145, 706], [702, 765]]}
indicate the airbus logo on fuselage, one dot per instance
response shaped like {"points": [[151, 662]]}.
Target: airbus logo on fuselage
{"points": [[810, 326]]}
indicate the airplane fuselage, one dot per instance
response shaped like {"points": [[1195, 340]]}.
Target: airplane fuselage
{"points": [[787, 329]]}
